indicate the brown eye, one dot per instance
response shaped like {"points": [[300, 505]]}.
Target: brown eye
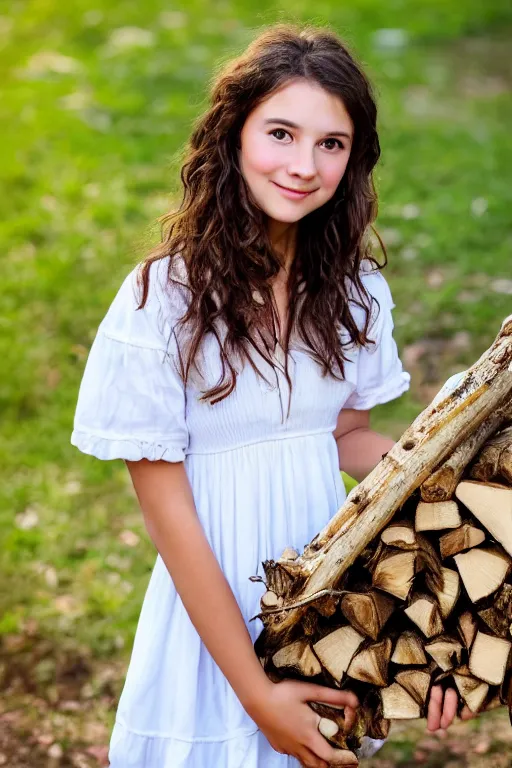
{"points": [[340, 145], [278, 130]]}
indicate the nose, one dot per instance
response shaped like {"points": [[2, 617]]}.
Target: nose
{"points": [[302, 162]]}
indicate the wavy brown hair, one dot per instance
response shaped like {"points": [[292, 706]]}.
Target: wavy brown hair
{"points": [[222, 236]]}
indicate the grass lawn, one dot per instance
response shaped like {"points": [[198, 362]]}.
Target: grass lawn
{"points": [[97, 101]]}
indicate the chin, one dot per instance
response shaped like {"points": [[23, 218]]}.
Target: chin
{"points": [[284, 217]]}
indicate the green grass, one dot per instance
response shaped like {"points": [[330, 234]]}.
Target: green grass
{"points": [[90, 157]]}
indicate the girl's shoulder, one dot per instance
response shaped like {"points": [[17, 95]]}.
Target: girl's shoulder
{"points": [[378, 298], [374, 281], [166, 302]]}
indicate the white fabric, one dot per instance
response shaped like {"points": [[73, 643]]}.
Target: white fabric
{"points": [[260, 483]]}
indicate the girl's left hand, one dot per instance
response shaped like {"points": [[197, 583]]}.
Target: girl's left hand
{"points": [[442, 708]]}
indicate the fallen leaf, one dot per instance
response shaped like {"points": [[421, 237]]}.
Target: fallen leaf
{"points": [[435, 278], [56, 752], [129, 538], [45, 739], [79, 760], [27, 520], [51, 577], [72, 487], [67, 604], [100, 753], [51, 61], [172, 19], [479, 206], [410, 211], [124, 38], [412, 353], [482, 747], [502, 285], [409, 253], [390, 39]]}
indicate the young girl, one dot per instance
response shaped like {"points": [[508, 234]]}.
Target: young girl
{"points": [[234, 373]]}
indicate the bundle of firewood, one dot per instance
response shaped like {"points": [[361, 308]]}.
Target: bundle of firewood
{"points": [[410, 583]]}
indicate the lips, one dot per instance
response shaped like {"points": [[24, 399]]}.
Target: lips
{"points": [[297, 191], [292, 194]]}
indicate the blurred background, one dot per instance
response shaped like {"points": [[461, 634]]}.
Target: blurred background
{"points": [[97, 100]]}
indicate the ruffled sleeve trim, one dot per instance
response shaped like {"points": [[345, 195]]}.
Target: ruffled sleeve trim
{"points": [[390, 390], [129, 448]]}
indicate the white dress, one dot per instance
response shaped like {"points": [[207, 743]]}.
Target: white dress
{"points": [[260, 483]]}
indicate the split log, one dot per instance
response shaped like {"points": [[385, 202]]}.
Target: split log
{"points": [[424, 612], [432, 437], [446, 652], [472, 690], [491, 504], [327, 728], [416, 682], [368, 612], [498, 616], [437, 515], [289, 554], [467, 628], [335, 650], [428, 562], [503, 601], [331, 731], [394, 573], [271, 600], [465, 537], [449, 594], [441, 484], [409, 650], [482, 571], [371, 664], [332, 723], [298, 657], [495, 459], [398, 704], [488, 658], [401, 535], [496, 621]]}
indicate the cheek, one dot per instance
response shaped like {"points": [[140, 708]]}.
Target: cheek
{"points": [[259, 156], [332, 173]]}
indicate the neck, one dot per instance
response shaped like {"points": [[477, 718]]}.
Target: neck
{"points": [[283, 238]]}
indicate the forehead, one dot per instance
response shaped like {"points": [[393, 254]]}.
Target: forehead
{"points": [[307, 104]]}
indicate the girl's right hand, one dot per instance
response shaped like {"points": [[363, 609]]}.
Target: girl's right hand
{"points": [[291, 726]]}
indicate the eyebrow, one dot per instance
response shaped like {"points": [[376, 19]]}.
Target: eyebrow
{"points": [[294, 125]]}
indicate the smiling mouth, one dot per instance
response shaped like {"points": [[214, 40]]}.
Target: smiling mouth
{"points": [[297, 191]]}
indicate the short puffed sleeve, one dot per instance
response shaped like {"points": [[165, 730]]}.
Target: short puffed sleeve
{"points": [[379, 372], [131, 401]]}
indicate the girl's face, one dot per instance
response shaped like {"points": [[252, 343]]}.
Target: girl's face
{"points": [[299, 138]]}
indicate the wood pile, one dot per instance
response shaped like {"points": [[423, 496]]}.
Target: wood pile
{"points": [[410, 583]]}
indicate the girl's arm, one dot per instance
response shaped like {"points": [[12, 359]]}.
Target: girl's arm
{"points": [[359, 448], [170, 517]]}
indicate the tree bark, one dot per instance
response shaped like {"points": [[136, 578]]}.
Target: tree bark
{"points": [[441, 484], [495, 458]]}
